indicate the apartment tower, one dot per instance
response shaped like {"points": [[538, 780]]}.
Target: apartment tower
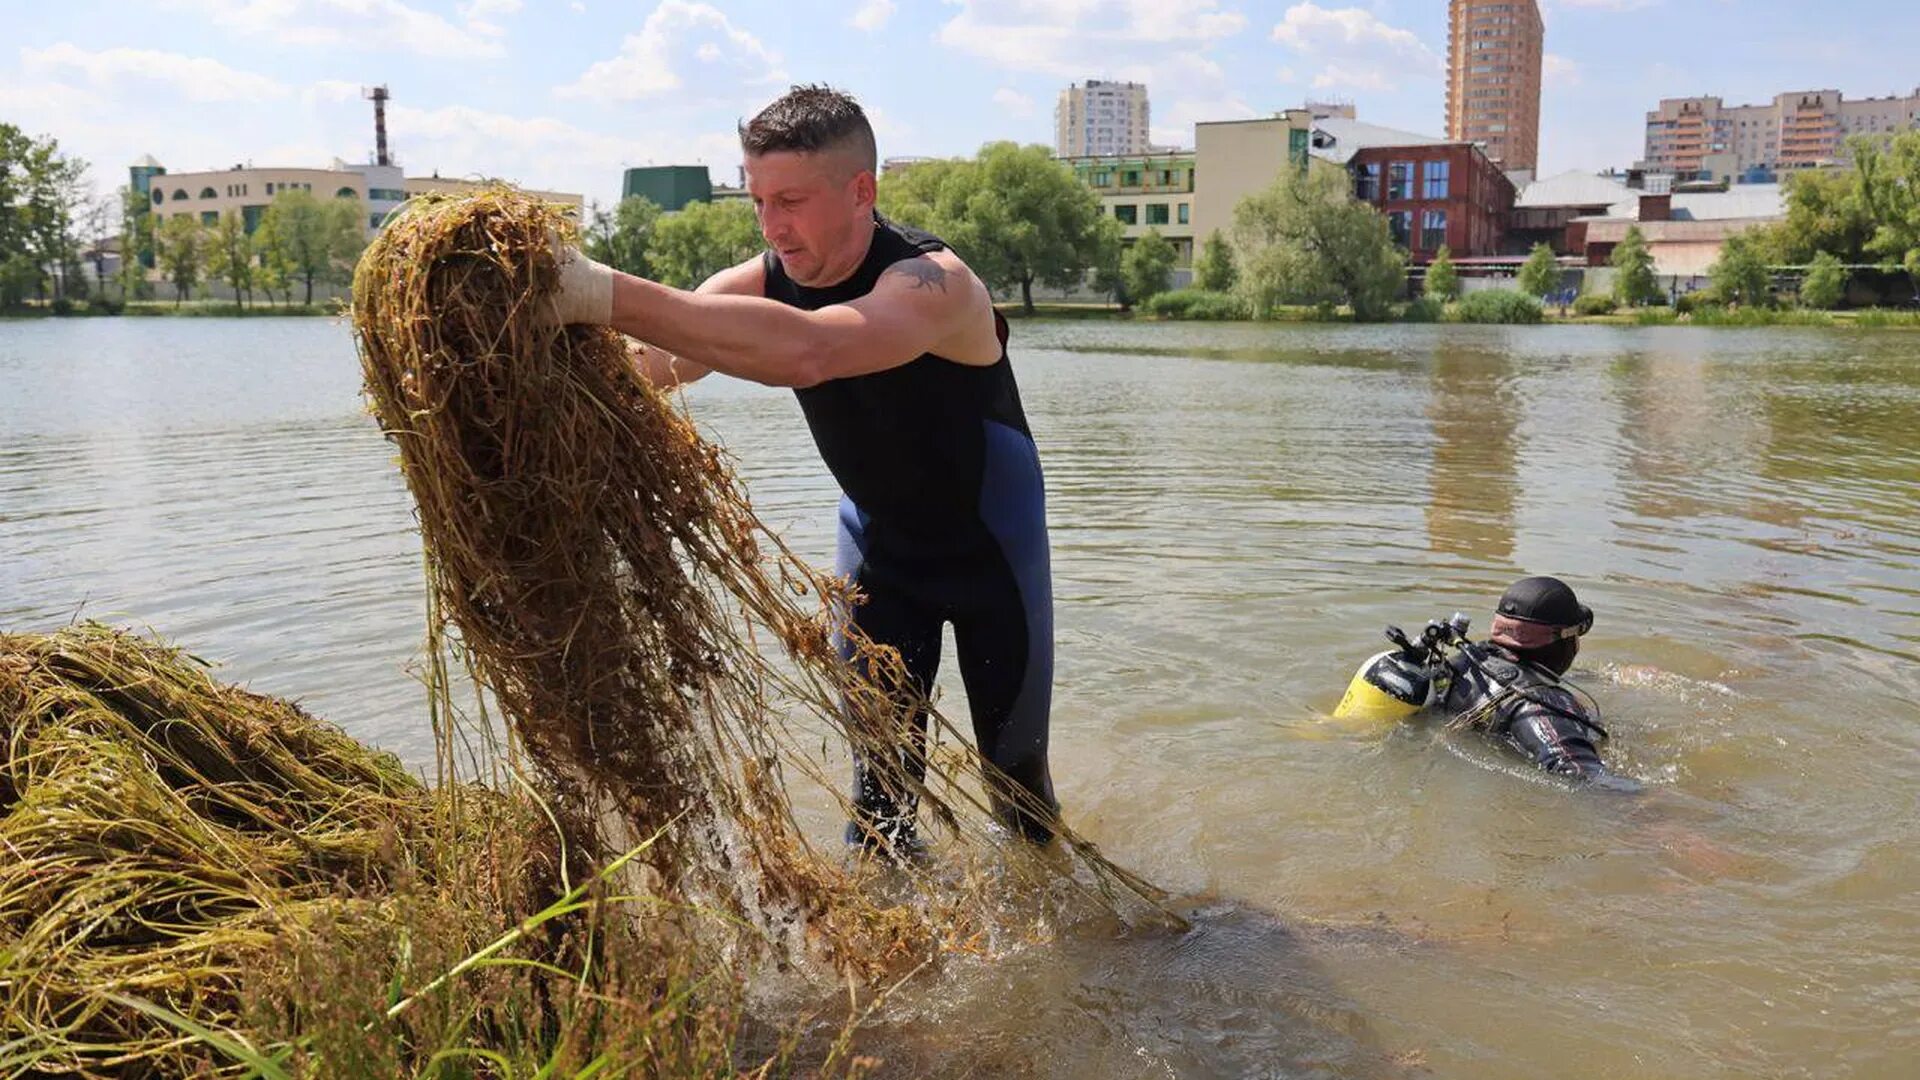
{"points": [[1494, 50], [1101, 117]]}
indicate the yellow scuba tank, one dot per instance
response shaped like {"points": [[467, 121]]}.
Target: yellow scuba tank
{"points": [[1387, 689], [1395, 684]]}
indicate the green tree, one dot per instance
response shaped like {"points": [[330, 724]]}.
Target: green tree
{"points": [[230, 255], [1147, 267], [928, 194], [317, 239], [1443, 281], [136, 244], [1540, 274], [182, 253], [273, 267], [1825, 285], [1306, 240], [43, 196], [1825, 212], [702, 239], [15, 146], [1740, 274], [1216, 270], [1110, 250], [1016, 215], [1887, 184], [621, 239], [1633, 280]]}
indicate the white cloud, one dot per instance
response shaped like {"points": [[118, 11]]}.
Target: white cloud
{"points": [[872, 15], [1354, 48], [1165, 44], [539, 151], [1173, 124], [1603, 5], [194, 78], [360, 24], [646, 64], [1013, 101], [331, 92], [1557, 70], [1073, 38]]}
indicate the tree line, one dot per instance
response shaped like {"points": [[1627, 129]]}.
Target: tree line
{"points": [[52, 223], [301, 241]]}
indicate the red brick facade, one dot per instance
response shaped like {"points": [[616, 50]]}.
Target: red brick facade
{"points": [[1454, 180]]}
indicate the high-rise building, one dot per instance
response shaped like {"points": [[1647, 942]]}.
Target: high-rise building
{"points": [[1494, 52], [1101, 117], [1703, 138]]}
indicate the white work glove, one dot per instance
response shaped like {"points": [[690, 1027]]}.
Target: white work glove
{"points": [[585, 293]]}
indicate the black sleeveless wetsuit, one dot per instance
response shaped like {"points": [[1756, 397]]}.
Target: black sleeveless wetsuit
{"points": [[942, 520], [1536, 716]]}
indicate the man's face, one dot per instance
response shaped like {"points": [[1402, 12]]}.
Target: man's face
{"points": [[811, 207]]}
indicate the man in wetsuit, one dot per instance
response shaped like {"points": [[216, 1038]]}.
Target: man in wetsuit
{"points": [[899, 361], [1510, 685]]}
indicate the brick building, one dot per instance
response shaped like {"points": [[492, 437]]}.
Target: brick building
{"points": [[1433, 191]]}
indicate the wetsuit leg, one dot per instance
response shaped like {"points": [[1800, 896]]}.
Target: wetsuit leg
{"points": [[1004, 633], [888, 616]]}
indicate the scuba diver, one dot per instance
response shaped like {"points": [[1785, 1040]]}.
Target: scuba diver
{"points": [[1510, 686]]}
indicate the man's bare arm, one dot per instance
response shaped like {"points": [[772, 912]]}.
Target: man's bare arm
{"points": [[662, 368], [919, 305]]}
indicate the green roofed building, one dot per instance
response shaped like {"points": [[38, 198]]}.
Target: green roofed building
{"points": [[670, 187]]}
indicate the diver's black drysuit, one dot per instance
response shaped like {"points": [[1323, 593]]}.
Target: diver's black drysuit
{"points": [[1527, 708]]}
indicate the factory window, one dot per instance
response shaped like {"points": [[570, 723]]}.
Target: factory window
{"points": [[1182, 216], [1366, 181], [1156, 213], [209, 217], [1433, 230], [1128, 215], [1400, 223], [373, 220], [1103, 178], [346, 193], [1400, 180], [179, 194], [1130, 178], [206, 193], [1438, 179], [158, 197]]}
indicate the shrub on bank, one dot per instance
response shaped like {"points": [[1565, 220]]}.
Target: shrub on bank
{"points": [[1594, 304], [1881, 318], [1198, 304], [1715, 315], [1655, 316], [1427, 309], [1497, 306]]}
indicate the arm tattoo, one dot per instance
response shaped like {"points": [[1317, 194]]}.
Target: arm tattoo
{"points": [[925, 273]]}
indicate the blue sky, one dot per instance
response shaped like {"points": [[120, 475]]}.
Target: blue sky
{"points": [[564, 94]]}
